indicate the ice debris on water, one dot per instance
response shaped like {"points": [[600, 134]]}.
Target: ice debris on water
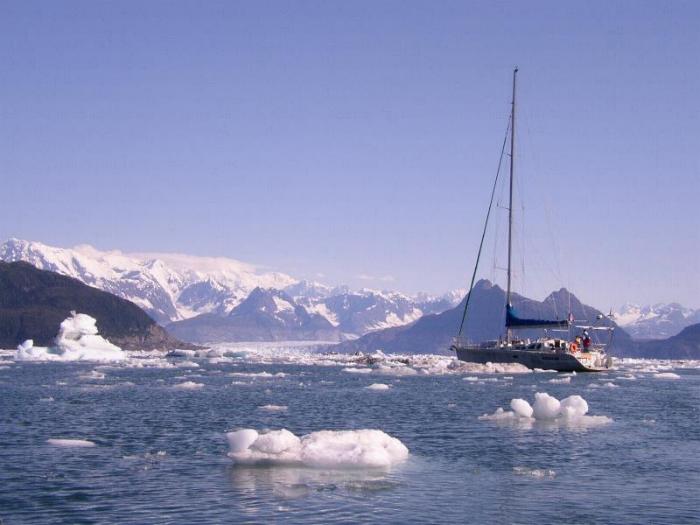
{"points": [[323, 449], [571, 410], [77, 340], [666, 375], [563, 380], [189, 385], [70, 442], [274, 408], [378, 387], [537, 473]]}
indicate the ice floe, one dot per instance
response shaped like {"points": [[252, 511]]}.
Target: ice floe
{"points": [[666, 375], [323, 449], [608, 384], [258, 375], [274, 408], [378, 386], [562, 380], [537, 473], [77, 340], [189, 385], [58, 442], [569, 411]]}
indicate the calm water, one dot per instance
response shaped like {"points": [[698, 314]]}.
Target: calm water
{"points": [[161, 452]]}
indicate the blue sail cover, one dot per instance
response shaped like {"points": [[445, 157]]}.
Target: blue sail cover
{"points": [[513, 321]]}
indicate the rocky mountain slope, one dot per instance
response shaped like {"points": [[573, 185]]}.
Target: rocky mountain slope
{"points": [[34, 302], [685, 345]]}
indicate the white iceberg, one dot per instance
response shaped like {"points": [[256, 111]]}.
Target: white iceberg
{"points": [[189, 385], [77, 340], [666, 375], [70, 443], [570, 411], [274, 408], [323, 449], [378, 386]]}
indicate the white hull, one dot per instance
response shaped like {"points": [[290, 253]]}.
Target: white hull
{"points": [[544, 359]]}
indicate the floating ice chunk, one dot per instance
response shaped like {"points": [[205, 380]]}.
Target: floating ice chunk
{"points": [[47, 399], [324, 449], [249, 447], [573, 406], [501, 415], [666, 375], [521, 407], [379, 386], [187, 364], [261, 375], [570, 411], [538, 473], [93, 374], [189, 385], [470, 378], [241, 440], [397, 370], [181, 353], [70, 443], [77, 340], [274, 408], [563, 380], [354, 370], [604, 385], [546, 406]]}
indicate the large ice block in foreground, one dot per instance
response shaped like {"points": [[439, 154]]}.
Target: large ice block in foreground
{"points": [[323, 449]]}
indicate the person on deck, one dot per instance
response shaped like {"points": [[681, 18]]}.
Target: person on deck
{"points": [[586, 341]]}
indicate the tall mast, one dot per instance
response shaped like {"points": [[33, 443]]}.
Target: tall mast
{"points": [[510, 193]]}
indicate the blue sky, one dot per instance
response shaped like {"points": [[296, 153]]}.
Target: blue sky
{"points": [[358, 140]]}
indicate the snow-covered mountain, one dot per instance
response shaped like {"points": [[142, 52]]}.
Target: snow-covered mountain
{"points": [[175, 287], [658, 321], [167, 286], [265, 315], [363, 311]]}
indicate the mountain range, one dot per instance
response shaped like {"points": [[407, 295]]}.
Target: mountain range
{"points": [[658, 321], [207, 300], [173, 288]]}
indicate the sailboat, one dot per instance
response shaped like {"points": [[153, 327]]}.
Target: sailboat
{"points": [[567, 353]]}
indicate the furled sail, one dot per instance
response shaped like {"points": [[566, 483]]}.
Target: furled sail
{"points": [[513, 321]]}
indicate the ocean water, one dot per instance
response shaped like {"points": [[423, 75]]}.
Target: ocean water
{"points": [[160, 453]]}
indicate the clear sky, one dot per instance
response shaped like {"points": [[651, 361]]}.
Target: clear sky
{"points": [[357, 140]]}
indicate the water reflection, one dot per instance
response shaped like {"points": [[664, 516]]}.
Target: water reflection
{"points": [[301, 482]]}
